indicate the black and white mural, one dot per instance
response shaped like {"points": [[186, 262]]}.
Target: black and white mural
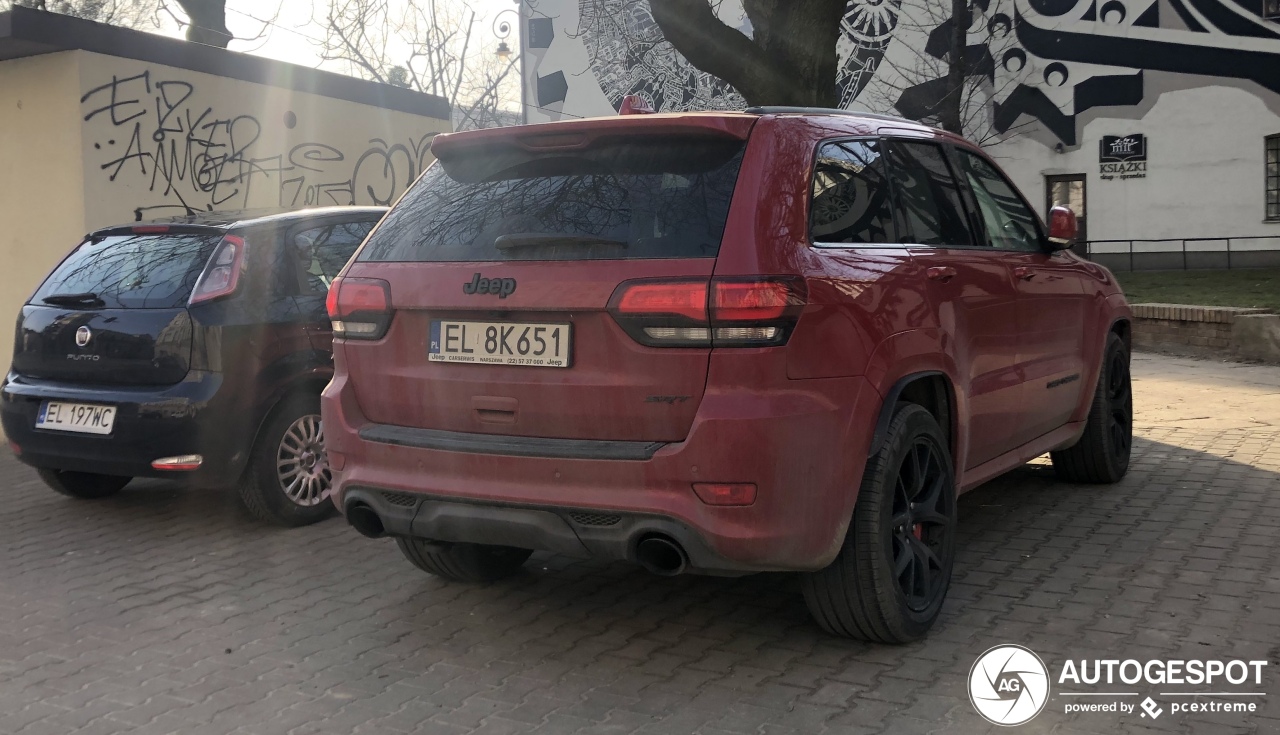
{"points": [[1037, 67]]}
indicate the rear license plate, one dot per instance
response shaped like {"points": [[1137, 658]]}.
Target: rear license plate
{"points": [[83, 418], [501, 343]]}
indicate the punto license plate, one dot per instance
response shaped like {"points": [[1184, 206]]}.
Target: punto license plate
{"points": [[501, 343], [82, 418]]}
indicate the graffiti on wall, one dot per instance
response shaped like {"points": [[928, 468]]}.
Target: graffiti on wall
{"points": [[1047, 61], [152, 133]]}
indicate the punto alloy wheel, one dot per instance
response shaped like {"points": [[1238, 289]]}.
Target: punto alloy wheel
{"points": [[891, 576], [301, 466], [288, 478], [1102, 454]]}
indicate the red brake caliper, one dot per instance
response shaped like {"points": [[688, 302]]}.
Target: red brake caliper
{"points": [[918, 531]]}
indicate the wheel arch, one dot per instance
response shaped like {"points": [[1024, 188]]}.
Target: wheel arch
{"points": [[310, 384], [1123, 327], [930, 389]]}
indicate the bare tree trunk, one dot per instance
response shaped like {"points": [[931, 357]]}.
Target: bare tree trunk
{"points": [[208, 22], [790, 61], [949, 107]]}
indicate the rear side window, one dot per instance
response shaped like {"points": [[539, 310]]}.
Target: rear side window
{"points": [[130, 271], [322, 252], [928, 198], [620, 198], [850, 195]]}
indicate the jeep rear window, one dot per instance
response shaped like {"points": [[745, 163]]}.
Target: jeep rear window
{"points": [[620, 198], [132, 271]]}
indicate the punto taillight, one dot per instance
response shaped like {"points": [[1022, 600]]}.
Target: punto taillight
{"points": [[222, 274], [720, 312], [359, 308]]}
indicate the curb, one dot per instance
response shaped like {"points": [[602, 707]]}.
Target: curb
{"points": [[1208, 331]]}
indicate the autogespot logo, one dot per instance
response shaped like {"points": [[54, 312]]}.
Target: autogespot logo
{"points": [[1009, 685]]}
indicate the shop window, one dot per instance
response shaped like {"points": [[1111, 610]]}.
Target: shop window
{"points": [[1273, 178]]}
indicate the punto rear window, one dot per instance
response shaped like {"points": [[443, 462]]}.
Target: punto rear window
{"points": [[151, 271]]}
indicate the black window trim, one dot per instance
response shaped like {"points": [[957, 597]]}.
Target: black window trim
{"points": [[894, 242], [1269, 183]]}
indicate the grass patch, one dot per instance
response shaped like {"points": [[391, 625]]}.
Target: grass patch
{"points": [[1247, 287]]}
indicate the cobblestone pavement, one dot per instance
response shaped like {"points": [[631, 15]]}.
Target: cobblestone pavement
{"points": [[168, 611]]}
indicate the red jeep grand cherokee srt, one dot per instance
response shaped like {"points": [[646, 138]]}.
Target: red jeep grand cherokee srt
{"points": [[778, 340]]}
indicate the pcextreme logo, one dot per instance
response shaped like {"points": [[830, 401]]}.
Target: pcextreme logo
{"points": [[1009, 685]]}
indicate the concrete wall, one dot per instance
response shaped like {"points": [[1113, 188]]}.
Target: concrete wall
{"points": [[1053, 77], [89, 140], [1204, 170], [158, 140], [42, 194]]}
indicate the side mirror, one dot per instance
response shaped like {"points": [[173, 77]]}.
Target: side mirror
{"points": [[1063, 228]]}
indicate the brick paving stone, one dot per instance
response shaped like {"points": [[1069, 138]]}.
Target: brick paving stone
{"points": [[118, 615]]}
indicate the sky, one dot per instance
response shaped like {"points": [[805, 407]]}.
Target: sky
{"points": [[298, 28]]}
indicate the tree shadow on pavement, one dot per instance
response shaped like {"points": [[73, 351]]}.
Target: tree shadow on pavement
{"points": [[1180, 560]]}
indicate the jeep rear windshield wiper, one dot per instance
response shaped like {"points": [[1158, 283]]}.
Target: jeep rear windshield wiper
{"points": [[90, 300], [537, 239]]}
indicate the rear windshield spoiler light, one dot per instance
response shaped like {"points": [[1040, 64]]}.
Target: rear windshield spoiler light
{"points": [[175, 229]]}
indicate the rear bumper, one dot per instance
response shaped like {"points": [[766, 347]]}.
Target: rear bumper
{"points": [[151, 422], [803, 444]]}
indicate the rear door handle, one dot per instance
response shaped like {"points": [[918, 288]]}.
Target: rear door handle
{"points": [[1023, 273], [941, 273]]}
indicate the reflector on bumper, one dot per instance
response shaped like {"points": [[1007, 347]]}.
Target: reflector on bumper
{"points": [[180, 463]]}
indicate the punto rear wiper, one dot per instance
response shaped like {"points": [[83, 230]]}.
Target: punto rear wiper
{"points": [[89, 300], [537, 239]]}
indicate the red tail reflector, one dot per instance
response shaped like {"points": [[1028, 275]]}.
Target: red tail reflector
{"points": [[359, 308], [725, 493], [17, 450], [634, 104], [755, 301], [222, 274], [181, 463]]}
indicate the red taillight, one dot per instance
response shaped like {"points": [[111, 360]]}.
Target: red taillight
{"points": [[222, 274], [725, 493], [722, 312], [686, 299], [359, 308], [150, 229]]}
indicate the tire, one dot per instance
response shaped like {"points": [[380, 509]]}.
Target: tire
{"points": [[1101, 456], [287, 481], [463, 562], [891, 576], [83, 485]]}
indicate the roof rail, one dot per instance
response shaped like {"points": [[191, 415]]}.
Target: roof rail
{"points": [[783, 110]]}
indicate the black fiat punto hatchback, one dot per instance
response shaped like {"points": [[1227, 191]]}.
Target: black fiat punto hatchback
{"points": [[194, 348]]}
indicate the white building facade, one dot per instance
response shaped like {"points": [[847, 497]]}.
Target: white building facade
{"points": [[1158, 121]]}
